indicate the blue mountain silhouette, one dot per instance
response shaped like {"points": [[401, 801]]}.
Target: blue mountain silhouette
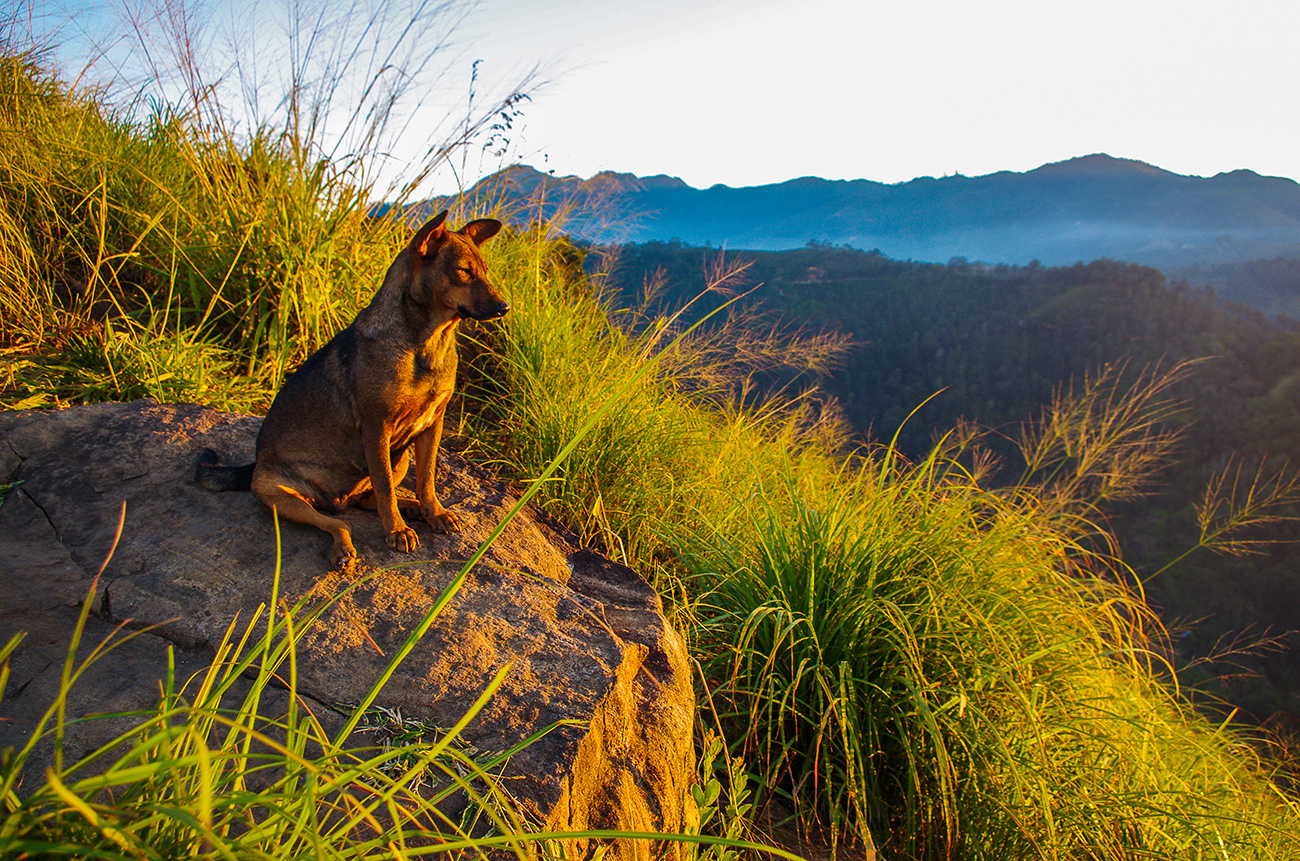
{"points": [[1080, 209]]}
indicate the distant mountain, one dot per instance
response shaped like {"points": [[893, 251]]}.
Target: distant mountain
{"points": [[1081, 209]]}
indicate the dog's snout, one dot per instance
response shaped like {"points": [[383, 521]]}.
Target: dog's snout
{"points": [[485, 310]]}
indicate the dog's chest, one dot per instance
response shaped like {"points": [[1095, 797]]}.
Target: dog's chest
{"points": [[429, 380], [433, 366], [432, 381], [431, 413], [414, 417]]}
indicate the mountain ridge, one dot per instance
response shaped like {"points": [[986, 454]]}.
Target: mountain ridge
{"points": [[1082, 208]]}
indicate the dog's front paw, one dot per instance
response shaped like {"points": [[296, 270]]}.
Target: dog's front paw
{"points": [[345, 560], [442, 522], [403, 539]]}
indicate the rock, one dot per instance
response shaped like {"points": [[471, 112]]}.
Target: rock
{"points": [[584, 637]]}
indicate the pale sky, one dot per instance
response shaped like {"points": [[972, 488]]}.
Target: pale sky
{"points": [[749, 92]]}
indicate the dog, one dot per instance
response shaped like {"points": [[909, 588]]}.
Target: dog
{"points": [[341, 430]]}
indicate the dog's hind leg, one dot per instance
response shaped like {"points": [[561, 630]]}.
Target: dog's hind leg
{"points": [[291, 505]]}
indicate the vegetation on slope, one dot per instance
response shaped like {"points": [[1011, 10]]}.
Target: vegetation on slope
{"points": [[993, 345], [901, 652]]}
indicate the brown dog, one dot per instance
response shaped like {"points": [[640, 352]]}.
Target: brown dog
{"points": [[340, 430]]}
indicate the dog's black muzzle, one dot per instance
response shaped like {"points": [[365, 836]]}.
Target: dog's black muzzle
{"points": [[486, 311]]}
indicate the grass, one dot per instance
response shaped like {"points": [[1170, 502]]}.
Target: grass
{"points": [[900, 654], [208, 260], [665, 455], [920, 658]]}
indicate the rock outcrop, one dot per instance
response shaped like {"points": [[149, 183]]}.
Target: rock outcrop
{"points": [[585, 638]]}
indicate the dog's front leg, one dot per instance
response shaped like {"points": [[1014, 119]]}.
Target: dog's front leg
{"points": [[440, 520], [376, 437]]}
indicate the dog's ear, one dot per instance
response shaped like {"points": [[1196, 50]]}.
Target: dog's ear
{"points": [[481, 230], [427, 237]]}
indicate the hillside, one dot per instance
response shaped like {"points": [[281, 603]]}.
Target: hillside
{"points": [[992, 344], [1272, 285], [1081, 209]]}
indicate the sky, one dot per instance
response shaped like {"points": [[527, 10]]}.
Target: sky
{"points": [[749, 92]]}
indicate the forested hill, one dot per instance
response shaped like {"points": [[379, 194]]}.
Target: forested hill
{"points": [[997, 340], [1271, 285], [1081, 209]]}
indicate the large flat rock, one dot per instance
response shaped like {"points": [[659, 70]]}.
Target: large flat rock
{"points": [[585, 638]]}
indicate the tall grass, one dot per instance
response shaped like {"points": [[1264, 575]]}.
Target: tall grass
{"points": [[153, 223], [919, 658], [675, 450], [223, 247], [256, 255]]}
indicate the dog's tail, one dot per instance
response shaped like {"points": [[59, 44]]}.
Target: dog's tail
{"points": [[209, 473]]}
